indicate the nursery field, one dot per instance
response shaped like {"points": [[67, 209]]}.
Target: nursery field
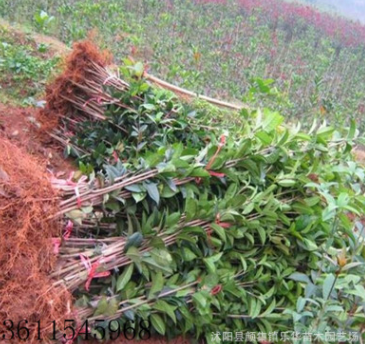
{"points": [[181, 171], [302, 62]]}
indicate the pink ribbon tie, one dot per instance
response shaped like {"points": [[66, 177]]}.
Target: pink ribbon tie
{"points": [[68, 230], [56, 242]]}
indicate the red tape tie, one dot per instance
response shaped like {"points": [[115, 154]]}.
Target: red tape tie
{"points": [[219, 223], [98, 100], [217, 174], [91, 270], [222, 142], [222, 224], [216, 290], [68, 230], [56, 242], [115, 156]]}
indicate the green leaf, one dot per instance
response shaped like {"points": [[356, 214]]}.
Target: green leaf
{"points": [[157, 284], [300, 277], [231, 191], [312, 201], [190, 208], [352, 130], [113, 307], [325, 133], [134, 255], [352, 265], [358, 291], [255, 308], [186, 237], [113, 205], [134, 188], [300, 304], [113, 172], [262, 234], [269, 309], [220, 231], [138, 197], [154, 264], [158, 324], [243, 148], [173, 219], [133, 240], [272, 120], [209, 262], [76, 216], [199, 172], [310, 245], [102, 307], [152, 191], [188, 254], [328, 284], [149, 106], [184, 292], [265, 138], [200, 300], [303, 137], [125, 277], [164, 307], [138, 69], [273, 157], [161, 256], [287, 182], [167, 192], [248, 208]]}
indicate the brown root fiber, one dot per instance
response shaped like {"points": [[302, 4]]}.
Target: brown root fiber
{"points": [[77, 68], [26, 253]]}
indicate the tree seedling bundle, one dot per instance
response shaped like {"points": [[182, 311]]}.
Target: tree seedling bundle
{"points": [[198, 219]]}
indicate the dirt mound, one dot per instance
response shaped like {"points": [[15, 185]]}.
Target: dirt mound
{"points": [[19, 125], [26, 252]]}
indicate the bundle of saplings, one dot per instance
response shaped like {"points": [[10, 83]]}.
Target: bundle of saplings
{"points": [[189, 219]]}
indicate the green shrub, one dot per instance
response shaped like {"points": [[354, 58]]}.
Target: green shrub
{"points": [[208, 224]]}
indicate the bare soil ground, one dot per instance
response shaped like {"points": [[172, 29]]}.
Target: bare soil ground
{"points": [[20, 126]]}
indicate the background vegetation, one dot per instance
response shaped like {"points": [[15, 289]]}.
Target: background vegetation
{"points": [[25, 66], [283, 55]]}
